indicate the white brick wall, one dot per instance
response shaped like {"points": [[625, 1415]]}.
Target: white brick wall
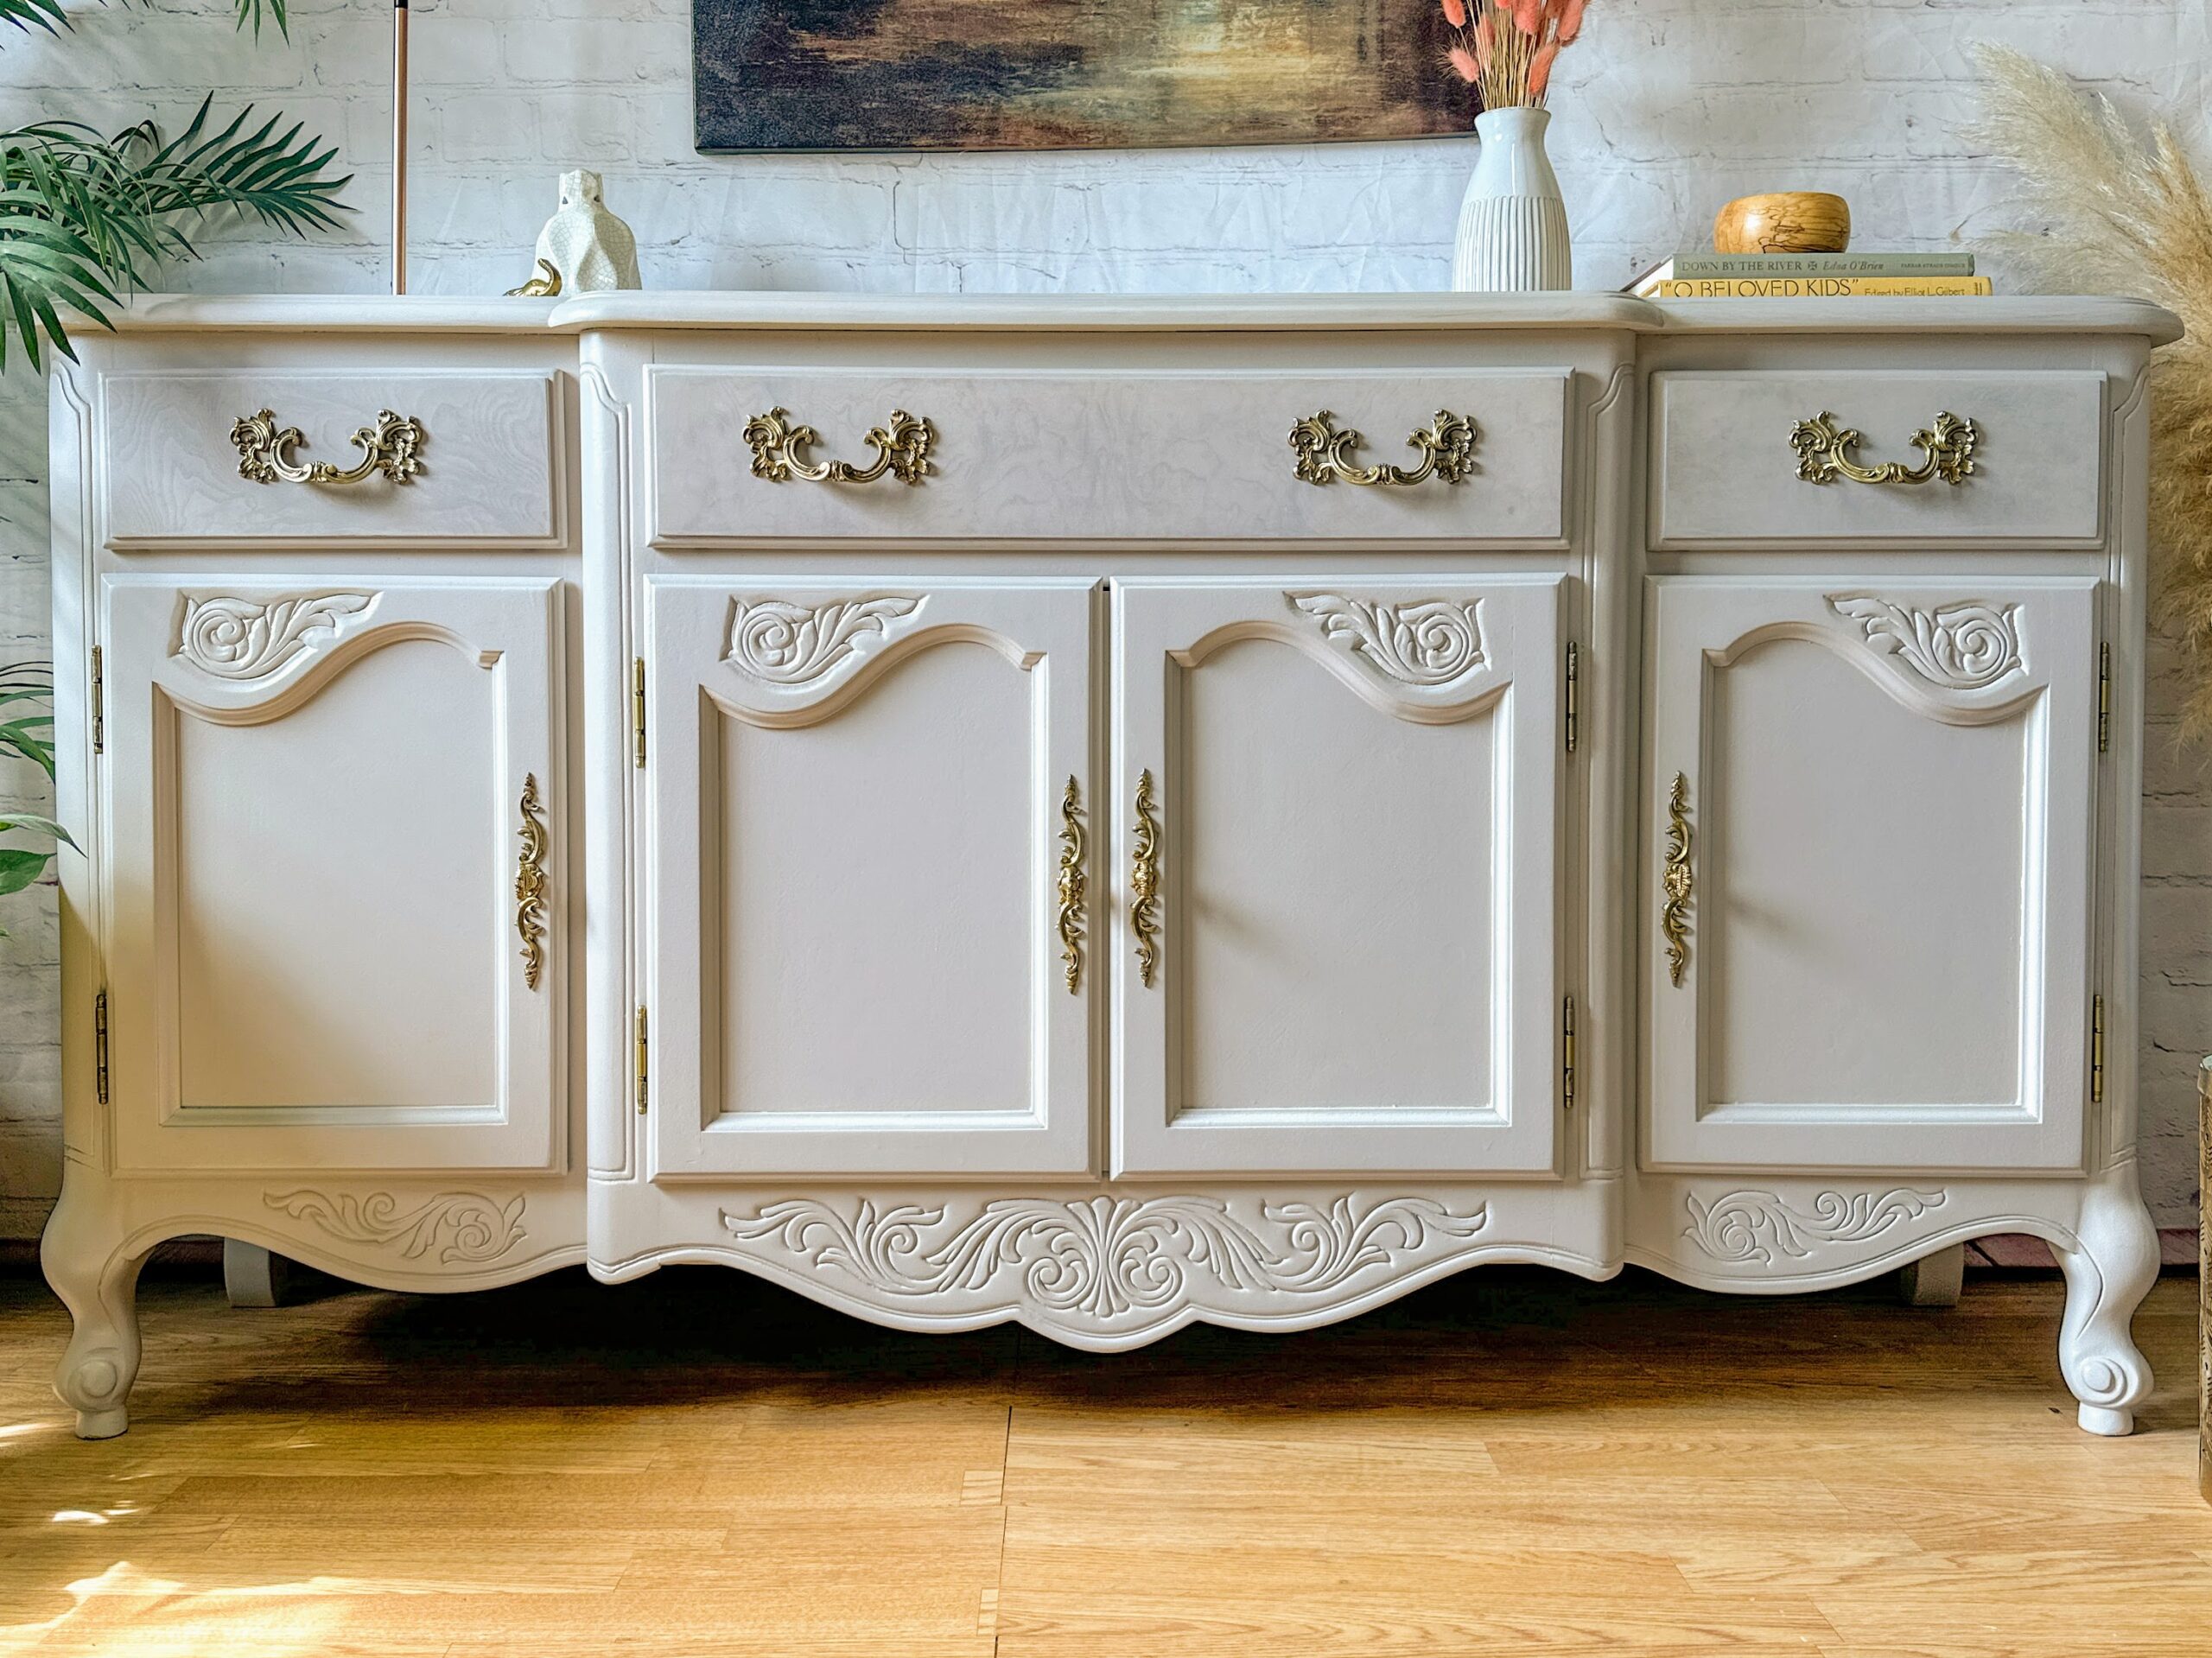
{"points": [[1669, 108]]}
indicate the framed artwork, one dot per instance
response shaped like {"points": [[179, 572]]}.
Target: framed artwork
{"points": [[1068, 75]]}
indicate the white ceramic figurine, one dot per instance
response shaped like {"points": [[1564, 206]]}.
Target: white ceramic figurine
{"points": [[591, 248]]}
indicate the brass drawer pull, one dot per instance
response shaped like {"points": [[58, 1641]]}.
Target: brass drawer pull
{"points": [[1824, 453], [530, 886], [1446, 447], [393, 446], [902, 448], [1070, 888], [1144, 883], [1673, 915]]}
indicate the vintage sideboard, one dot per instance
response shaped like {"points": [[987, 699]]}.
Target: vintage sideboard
{"points": [[1101, 812]]}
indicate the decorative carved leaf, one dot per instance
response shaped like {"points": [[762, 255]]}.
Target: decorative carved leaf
{"points": [[1426, 642], [1758, 1226], [787, 644], [1962, 647], [462, 1226], [1103, 1257], [251, 638]]}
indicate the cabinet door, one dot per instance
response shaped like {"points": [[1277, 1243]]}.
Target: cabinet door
{"points": [[1350, 813], [1867, 858], [340, 846], [861, 826]]}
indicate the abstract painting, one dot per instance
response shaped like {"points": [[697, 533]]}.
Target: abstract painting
{"points": [[1055, 74]]}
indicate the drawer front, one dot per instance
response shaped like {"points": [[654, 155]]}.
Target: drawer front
{"points": [[1725, 467], [1162, 457], [485, 468]]}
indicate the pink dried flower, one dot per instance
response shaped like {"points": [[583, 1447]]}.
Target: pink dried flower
{"points": [[1455, 13], [1464, 61], [1540, 69], [1570, 21], [1528, 16]]}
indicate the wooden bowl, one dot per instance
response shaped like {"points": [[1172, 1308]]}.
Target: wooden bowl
{"points": [[1787, 221]]}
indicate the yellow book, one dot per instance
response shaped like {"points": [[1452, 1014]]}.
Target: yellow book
{"points": [[1811, 287]]}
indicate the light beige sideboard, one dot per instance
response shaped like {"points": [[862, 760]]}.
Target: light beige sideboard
{"points": [[1101, 812]]}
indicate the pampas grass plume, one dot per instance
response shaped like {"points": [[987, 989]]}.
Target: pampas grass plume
{"points": [[2120, 214]]}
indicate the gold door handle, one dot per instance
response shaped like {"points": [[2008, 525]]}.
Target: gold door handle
{"points": [[902, 448], [1673, 915], [1144, 883], [1071, 884], [1446, 447], [1824, 453], [393, 446], [530, 885]]}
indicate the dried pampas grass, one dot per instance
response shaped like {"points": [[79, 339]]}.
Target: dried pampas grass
{"points": [[2123, 215]]}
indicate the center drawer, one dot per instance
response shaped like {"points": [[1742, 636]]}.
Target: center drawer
{"points": [[1143, 457]]}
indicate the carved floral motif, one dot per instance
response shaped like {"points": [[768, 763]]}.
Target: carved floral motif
{"points": [[1752, 1226], [1106, 1257], [461, 1226], [787, 644], [251, 638], [1427, 642], [1962, 647]]}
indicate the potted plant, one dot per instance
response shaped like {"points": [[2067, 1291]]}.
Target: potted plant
{"points": [[84, 217], [1513, 232]]}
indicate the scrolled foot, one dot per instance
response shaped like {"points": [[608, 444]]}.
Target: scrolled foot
{"points": [[95, 1377], [2113, 1424], [2110, 1266], [98, 1280]]}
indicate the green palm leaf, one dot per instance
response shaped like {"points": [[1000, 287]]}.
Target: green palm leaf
{"points": [[250, 12], [83, 216], [47, 15]]}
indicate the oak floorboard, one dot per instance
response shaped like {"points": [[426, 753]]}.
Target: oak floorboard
{"points": [[1510, 1464]]}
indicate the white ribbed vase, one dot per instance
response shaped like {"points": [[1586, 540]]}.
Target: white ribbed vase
{"points": [[1512, 221]]}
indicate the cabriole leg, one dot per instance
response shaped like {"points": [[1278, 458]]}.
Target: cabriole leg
{"points": [[1934, 1280], [98, 1281], [2109, 1269], [254, 1276]]}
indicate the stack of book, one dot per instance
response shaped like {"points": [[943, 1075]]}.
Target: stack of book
{"points": [[1808, 276]]}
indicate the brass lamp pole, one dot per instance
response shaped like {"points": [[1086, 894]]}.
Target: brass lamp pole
{"points": [[398, 146]]}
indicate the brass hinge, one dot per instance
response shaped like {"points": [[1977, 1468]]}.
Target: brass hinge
{"points": [[100, 1046], [2104, 699], [2097, 1050], [637, 1060], [1566, 1049], [1573, 695], [100, 708], [638, 712]]}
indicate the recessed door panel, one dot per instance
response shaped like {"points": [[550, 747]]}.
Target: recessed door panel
{"points": [[864, 850], [1873, 949], [1341, 800], [326, 801]]}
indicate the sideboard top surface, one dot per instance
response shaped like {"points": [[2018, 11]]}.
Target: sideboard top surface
{"points": [[1084, 313]]}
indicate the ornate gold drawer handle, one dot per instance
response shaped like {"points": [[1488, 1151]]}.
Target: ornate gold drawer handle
{"points": [[902, 448], [1824, 453], [1071, 884], [1446, 447], [393, 446], [530, 885], [1144, 883], [1673, 915]]}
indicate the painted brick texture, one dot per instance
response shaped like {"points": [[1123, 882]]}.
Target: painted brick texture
{"points": [[1667, 109]]}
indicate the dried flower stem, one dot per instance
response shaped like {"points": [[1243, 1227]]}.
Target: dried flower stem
{"points": [[1505, 48]]}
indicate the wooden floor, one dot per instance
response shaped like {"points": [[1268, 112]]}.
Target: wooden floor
{"points": [[1512, 1463]]}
